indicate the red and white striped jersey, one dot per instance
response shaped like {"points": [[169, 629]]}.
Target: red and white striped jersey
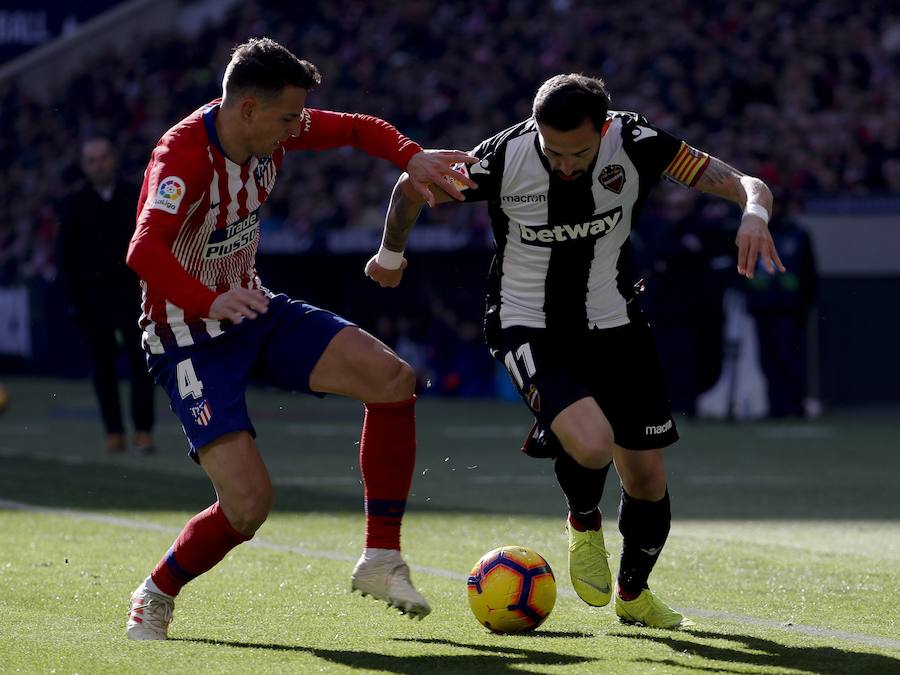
{"points": [[198, 216]]}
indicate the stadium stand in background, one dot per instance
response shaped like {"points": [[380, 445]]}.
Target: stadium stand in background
{"points": [[806, 96]]}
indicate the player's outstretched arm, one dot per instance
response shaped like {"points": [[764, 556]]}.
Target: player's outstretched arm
{"points": [[754, 241], [435, 167], [386, 267]]}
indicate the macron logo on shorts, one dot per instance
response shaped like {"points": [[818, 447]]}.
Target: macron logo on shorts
{"points": [[169, 194], [655, 430]]}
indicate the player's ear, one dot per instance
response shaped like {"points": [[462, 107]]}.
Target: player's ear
{"points": [[248, 108]]}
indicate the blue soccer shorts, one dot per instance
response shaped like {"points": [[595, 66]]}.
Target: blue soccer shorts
{"points": [[207, 382]]}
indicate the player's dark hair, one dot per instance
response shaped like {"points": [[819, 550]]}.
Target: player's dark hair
{"points": [[563, 102], [263, 66]]}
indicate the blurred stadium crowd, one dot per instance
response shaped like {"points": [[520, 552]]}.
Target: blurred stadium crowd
{"points": [[804, 94]]}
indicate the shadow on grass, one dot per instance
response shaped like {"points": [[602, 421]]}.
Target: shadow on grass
{"points": [[760, 652], [490, 659]]}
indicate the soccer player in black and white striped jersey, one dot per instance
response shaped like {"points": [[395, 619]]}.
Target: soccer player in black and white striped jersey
{"points": [[563, 190]]}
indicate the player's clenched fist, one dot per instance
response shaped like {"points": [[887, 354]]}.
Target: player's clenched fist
{"points": [[386, 278], [239, 304]]}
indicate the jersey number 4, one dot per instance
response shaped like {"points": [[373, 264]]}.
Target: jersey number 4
{"points": [[188, 384], [522, 355]]}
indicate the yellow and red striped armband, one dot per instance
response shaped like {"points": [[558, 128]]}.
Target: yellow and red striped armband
{"points": [[688, 165]]}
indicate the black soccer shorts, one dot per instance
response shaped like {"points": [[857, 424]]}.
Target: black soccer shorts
{"points": [[618, 367]]}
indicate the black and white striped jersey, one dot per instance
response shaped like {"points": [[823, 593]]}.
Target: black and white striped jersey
{"points": [[562, 257]]}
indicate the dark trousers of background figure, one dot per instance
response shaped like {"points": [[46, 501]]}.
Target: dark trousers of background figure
{"points": [[104, 347], [690, 349], [782, 350]]}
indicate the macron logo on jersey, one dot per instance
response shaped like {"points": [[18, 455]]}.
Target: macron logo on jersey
{"points": [[524, 199], [600, 226], [169, 194]]}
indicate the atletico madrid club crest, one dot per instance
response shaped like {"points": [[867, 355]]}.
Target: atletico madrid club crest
{"points": [[612, 177], [265, 173], [201, 413]]}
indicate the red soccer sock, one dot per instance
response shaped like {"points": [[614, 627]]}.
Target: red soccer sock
{"points": [[203, 542], [585, 521], [387, 455], [626, 595]]}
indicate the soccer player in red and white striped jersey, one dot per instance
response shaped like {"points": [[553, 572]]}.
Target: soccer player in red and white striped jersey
{"points": [[208, 320]]}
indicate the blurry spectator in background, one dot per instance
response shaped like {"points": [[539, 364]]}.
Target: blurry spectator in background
{"points": [[692, 265], [104, 295], [780, 305]]}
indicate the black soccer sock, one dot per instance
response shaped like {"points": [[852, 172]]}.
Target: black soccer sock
{"points": [[583, 488], [644, 526]]}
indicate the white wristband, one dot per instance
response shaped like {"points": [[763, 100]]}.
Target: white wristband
{"points": [[389, 260], [757, 210]]}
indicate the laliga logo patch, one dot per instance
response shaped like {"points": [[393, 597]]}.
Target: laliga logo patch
{"points": [[612, 177], [534, 398], [169, 195]]}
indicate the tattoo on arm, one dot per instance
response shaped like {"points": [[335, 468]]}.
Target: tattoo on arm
{"points": [[722, 180], [718, 173], [401, 216], [725, 181]]}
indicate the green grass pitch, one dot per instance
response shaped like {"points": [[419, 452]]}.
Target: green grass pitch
{"points": [[785, 547]]}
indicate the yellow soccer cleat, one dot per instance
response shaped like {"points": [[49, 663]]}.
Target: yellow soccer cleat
{"points": [[588, 567], [648, 610]]}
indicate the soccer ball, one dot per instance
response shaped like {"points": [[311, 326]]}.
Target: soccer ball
{"points": [[511, 590]]}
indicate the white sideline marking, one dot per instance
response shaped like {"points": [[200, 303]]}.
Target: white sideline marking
{"points": [[814, 631], [486, 431], [326, 430], [872, 640], [510, 480], [475, 431], [190, 471], [795, 431], [748, 479]]}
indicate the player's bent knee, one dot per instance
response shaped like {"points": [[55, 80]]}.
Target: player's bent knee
{"points": [[650, 486], [247, 512], [397, 382], [593, 453]]}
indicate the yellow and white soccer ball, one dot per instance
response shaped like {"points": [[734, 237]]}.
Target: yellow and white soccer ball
{"points": [[511, 589]]}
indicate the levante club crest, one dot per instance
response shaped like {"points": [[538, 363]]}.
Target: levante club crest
{"points": [[612, 177]]}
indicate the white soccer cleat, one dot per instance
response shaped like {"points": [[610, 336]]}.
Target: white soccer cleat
{"points": [[381, 573], [149, 616]]}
